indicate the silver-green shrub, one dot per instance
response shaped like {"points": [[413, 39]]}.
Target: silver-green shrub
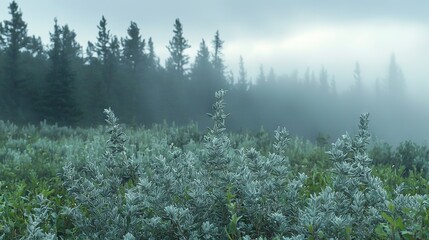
{"points": [[351, 207], [151, 184]]}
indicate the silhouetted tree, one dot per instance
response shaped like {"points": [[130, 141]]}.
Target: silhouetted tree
{"points": [[261, 80], [92, 87], [103, 69], [33, 70], [242, 100], [59, 105], [133, 47], [114, 56], [242, 81], [357, 90], [35, 46], [151, 97], [101, 47], [217, 53], [176, 89], [152, 59], [395, 78], [14, 40], [202, 60], [134, 59], [90, 58], [106, 48], [203, 79], [218, 62], [323, 79], [178, 59]]}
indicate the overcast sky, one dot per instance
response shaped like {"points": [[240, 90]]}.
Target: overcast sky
{"points": [[285, 35]]}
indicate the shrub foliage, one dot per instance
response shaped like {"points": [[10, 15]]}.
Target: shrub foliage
{"points": [[169, 183]]}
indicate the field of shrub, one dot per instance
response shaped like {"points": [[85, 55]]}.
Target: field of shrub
{"points": [[169, 182]]}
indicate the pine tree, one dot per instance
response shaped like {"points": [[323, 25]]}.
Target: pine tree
{"points": [[395, 78], [14, 39], [35, 66], [217, 61], [103, 48], [150, 100], [59, 105], [323, 79], [261, 78], [204, 81], [90, 58], [114, 56], [242, 82], [134, 60], [152, 59], [35, 46], [178, 59], [103, 40], [133, 47], [202, 59], [107, 49]]}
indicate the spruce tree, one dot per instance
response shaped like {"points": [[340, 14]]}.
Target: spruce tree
{"points": [[395, 79], [217, 60], [202, 60], [323, 79], [242, 82], [150, 100], [103, 40], [103, 50], [113, 57], [152, 59], [133, 47], [59, 105], [204, 81], [177, 46], [175, 87], [103, 68], [14, 39], [261, 80]]}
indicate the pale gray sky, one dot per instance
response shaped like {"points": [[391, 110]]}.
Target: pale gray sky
{"points": [[283, 34]]}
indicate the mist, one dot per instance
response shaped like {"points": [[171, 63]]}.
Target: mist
{"points": [[311, 67]]}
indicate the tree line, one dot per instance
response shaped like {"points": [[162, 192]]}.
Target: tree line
{"points": [[63, 83]]}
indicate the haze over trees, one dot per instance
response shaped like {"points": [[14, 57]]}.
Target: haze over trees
{"points": [[64, 83]]}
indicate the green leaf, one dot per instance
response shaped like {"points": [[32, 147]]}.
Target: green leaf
{"points": [[388, 218], [379, 230], [399, 224]]}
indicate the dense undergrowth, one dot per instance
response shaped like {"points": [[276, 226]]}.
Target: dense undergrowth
{"points": [[169, 182]]}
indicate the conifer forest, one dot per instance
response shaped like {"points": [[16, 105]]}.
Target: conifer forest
{"points": [[107, 140]]}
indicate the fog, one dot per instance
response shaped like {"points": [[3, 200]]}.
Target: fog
{"points": [[285, 35], [312, 47]]}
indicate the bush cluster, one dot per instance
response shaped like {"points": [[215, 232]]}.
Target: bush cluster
{"points": [[168, 183]]}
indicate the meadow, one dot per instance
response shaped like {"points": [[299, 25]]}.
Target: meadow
{"points": [[170, 182]]}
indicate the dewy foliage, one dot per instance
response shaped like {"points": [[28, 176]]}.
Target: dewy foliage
{"points": [[145, 186], [216, 192], [351, 207]]}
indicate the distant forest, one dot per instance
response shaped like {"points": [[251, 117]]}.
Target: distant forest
{"points": [[65, 84]]}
